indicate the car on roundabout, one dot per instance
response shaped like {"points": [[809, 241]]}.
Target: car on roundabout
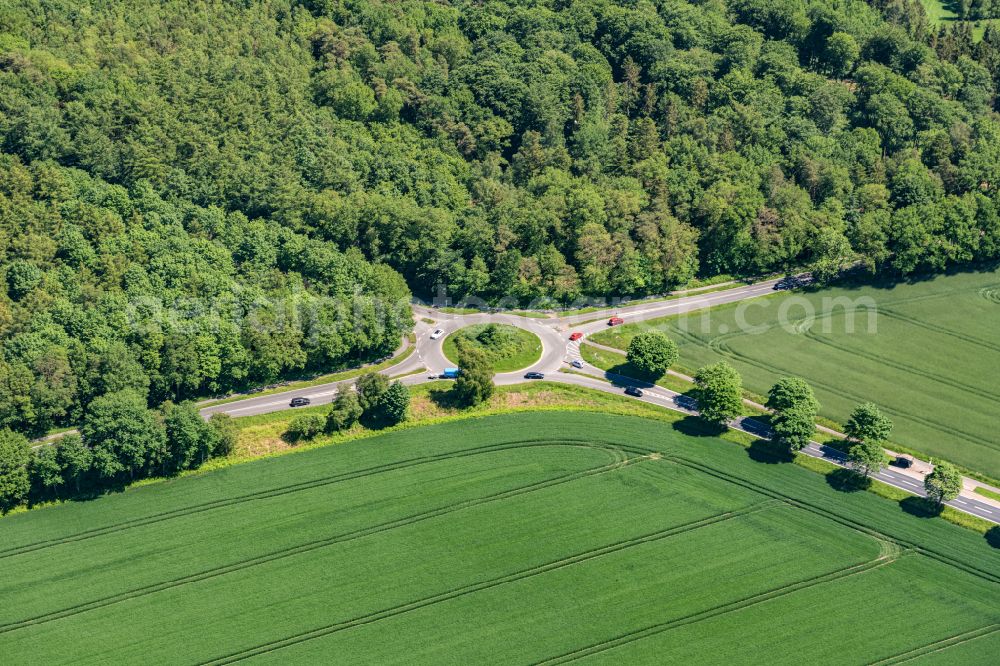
{"points": [[576, 335], [437, 333], [576, 363], [299, 401], [534, 375], [633, 391]]}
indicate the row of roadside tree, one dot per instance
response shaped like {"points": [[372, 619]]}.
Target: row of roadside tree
{"points": [[793, 409]]}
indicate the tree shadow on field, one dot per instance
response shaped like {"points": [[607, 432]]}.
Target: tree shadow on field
{"points": [[86, 493], [769, 452], [694, 426], [993, 536], [847, 481], [921, 507], [374, 421], [859, 279], [445, 398], [636, 375], [112, 486]]}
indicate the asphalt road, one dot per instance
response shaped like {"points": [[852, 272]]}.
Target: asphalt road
{"points": [[557, 351], [657, 309]]}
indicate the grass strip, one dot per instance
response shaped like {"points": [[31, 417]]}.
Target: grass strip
{"points": [[986, 492]]}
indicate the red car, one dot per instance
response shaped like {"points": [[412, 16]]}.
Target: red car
{"points": [[616, 321], [575, 336]]}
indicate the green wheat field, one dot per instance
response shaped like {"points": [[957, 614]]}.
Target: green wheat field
{"points": [[530, 538]]}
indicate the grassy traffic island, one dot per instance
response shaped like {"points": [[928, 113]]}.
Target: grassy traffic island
{"points": [[616, 538], [509, 348]]}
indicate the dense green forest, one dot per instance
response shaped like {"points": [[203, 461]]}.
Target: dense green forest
{"points": [[110, 290], [198, 196]]}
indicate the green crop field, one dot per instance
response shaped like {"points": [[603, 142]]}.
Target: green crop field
{"points": [[529, 538], [932, 361]]}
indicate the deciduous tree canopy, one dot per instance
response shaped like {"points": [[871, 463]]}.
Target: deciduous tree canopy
{"points": [[719, 393], [521, 148], [795, 407], [652, 352], [197, 197]]}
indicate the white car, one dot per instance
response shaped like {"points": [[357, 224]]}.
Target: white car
{"points": [[438, 332]]}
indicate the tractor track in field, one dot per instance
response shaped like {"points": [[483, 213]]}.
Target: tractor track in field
{"points": [[720, 346], [722, 609], [902, 544], [890, 547], [888, 544], [292, 488], [619, 463], [940, 645], [791, 501], [991, 293], [905, 367], [943, 330], [583, 556]]}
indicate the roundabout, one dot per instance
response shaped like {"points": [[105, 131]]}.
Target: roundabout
{"points": [[541, 347], [509, 348]]}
